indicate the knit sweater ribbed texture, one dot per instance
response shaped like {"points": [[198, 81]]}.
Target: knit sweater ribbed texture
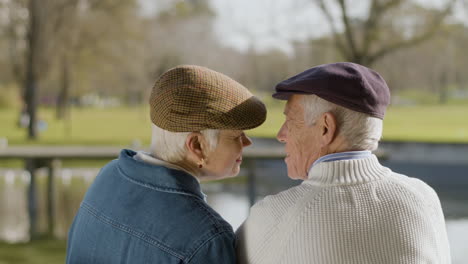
{"points": [[348, 211]]}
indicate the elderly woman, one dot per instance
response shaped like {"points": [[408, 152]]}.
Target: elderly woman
{"points": [[148, 207]]}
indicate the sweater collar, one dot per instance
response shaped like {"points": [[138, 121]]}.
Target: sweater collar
{"points": [[158, 176], [346, 172], [348, 155]]}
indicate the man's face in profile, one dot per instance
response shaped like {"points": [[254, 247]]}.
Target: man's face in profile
{"points": [[301, 140]]}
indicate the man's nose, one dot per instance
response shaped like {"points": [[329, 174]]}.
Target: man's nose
{"points": [[281, 136]]}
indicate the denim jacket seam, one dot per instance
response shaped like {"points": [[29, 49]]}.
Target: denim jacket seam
{"points": [[140, 235], [215, 235], [202, 205], [218, 227], [157, 188], [209, 236], [221, 225]]}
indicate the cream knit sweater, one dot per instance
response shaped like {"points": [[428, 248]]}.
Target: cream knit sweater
{"points": [[348, 211]]}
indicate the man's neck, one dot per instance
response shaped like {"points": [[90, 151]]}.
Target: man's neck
{"points": [[339, 144]]}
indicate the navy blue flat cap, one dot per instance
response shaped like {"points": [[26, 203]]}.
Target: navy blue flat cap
{"points": [[347, 84]]}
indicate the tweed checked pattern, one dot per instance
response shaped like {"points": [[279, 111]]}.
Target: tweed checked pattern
{"points": [[191, 98]]}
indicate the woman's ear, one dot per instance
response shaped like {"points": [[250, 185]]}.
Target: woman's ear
{"points": [[329, 128], [194, 145]]}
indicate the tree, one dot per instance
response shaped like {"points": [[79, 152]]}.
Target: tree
{"points": [[438, 66], [35, 43], [51, 41], [32, 26], [104, 28], [389, 25], [183, 32]]}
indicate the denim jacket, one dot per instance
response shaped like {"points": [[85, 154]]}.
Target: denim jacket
{"points": [[136, 212]]}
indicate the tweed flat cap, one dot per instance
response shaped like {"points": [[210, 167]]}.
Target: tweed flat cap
{"points": [[346, 84], [192, 98]]}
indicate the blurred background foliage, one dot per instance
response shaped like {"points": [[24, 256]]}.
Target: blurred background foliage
{"points": [[80, 71], [61, 56]]}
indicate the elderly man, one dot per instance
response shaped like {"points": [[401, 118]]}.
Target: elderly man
{"points": [[349, 208]]}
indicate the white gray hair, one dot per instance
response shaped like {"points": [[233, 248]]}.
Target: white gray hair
{"points": [[170, 146], [361, 131]]}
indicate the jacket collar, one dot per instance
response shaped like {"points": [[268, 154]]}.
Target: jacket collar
{"points": [[158, 176]]}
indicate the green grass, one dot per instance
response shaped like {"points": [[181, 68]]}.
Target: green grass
{"points": [[90, 126], [40, 251], [432, 123], [122, 126], [420, 97], [423, 123]]}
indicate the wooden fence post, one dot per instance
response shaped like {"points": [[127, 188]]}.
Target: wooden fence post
{"points": [[53, 168], [32, 197]]}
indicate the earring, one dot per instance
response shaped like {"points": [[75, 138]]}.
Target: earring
{"points": [[200, 165]]}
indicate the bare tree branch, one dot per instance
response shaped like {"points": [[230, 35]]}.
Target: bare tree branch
{"points": [[363, 42], [65, 14], [431, 29], [372, 24], [349, 32], [336, 35]]}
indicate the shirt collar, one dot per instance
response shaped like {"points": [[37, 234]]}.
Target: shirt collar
{"points": [[348, 155]]}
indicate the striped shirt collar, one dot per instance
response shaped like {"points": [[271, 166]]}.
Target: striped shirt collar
{"points": [[348, 155]]}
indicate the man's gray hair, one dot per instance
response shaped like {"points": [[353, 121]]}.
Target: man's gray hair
{"points": [[170, 146], [361, 131]]}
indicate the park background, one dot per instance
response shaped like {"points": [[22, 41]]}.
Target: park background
{"points": [[79, 73]]}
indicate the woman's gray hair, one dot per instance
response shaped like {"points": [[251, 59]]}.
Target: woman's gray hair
{"points": [[170, 146], [361, 131]]}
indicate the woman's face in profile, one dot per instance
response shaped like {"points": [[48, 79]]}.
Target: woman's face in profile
{"points": [[224, 161]]}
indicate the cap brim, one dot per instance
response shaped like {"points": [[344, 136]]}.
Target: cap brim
{"points": [[282, 95], [285, 95], [247, 115]]}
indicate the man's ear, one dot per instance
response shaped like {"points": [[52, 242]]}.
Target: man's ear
{"points": [[194, 145], [329, 128]]}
